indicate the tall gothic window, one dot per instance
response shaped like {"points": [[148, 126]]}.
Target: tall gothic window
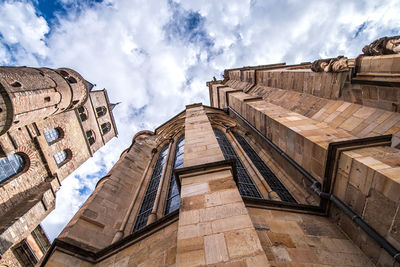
{"points": [[53, 135], [101, 111], [151, 192], [245, 184], [62, 157], [11, 166], [105, 127], [173, 198], [271, 179]]}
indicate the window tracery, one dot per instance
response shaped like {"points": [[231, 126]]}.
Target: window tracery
{"points": [[271, 179], [151, 192], [173, 197], [245, 184]]}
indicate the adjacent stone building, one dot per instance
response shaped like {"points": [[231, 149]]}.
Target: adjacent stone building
{"points": [[290, 165], [51, 121]]}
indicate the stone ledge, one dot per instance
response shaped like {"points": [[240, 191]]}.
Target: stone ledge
{"points": [[95, 257], [205, 168]]}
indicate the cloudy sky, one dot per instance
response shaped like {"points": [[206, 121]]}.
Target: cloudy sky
{"points": [[155, 56]]}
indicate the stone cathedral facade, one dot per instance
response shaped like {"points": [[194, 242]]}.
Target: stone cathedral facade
{"points": [[290, 165], [51, 121]]}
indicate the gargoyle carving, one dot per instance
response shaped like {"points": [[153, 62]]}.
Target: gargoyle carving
{"points": [[337, 64], [383, 46]]}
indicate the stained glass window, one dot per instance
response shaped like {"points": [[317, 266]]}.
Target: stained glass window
{"points": [[151, 192], [173, 198], [271, 179], [245, 184], [10, 166]]}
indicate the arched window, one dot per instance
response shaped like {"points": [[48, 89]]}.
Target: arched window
{"points": [[62, 157], [273, 181], [105, 127], [53, 135], [101, 111], [11, 166], [245, 184], [82, 113], [90, 137], [150, 195], [173, 198]]}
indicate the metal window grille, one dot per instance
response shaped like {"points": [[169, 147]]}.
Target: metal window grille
{"points": [[60, 157], [150, 195], [273, 181], [245, 184], [173, 198], [51, 135], [10, 166]]}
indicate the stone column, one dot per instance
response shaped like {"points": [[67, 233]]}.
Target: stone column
{"points": [[214, 225]]}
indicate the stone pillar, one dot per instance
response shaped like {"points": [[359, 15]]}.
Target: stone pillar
{"points": [[214, 225]]}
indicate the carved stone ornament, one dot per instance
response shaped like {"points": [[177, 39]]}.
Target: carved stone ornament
{"points": [[383, 46], [337, 64]]}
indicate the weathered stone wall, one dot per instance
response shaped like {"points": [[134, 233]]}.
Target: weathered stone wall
{"points": [[367, 180], [159, 249], [98, 220], [32, 94], [295, 239]]}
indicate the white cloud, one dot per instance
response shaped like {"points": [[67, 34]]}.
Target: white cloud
{"points": [[155, 56], [22, 28]]}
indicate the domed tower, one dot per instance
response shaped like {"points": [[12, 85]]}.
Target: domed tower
{"points": [[31, 94]]}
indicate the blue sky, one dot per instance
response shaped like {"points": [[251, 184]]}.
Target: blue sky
{"points": [[155, 56]]}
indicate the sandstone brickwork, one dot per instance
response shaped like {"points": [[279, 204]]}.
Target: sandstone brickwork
{"points": [[327, 137], [38, 101]]}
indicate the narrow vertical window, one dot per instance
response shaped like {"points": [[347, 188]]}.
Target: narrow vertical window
{"points": [[90, 137], [101, 111], [245, 184], [82, 113], [271, 179], [173, 198], [53, 135], [105, 127], [150, 195], [11, 166]]}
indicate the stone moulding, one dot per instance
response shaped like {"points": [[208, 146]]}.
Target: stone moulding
{"points": [[206, 168], [96, 257]]}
